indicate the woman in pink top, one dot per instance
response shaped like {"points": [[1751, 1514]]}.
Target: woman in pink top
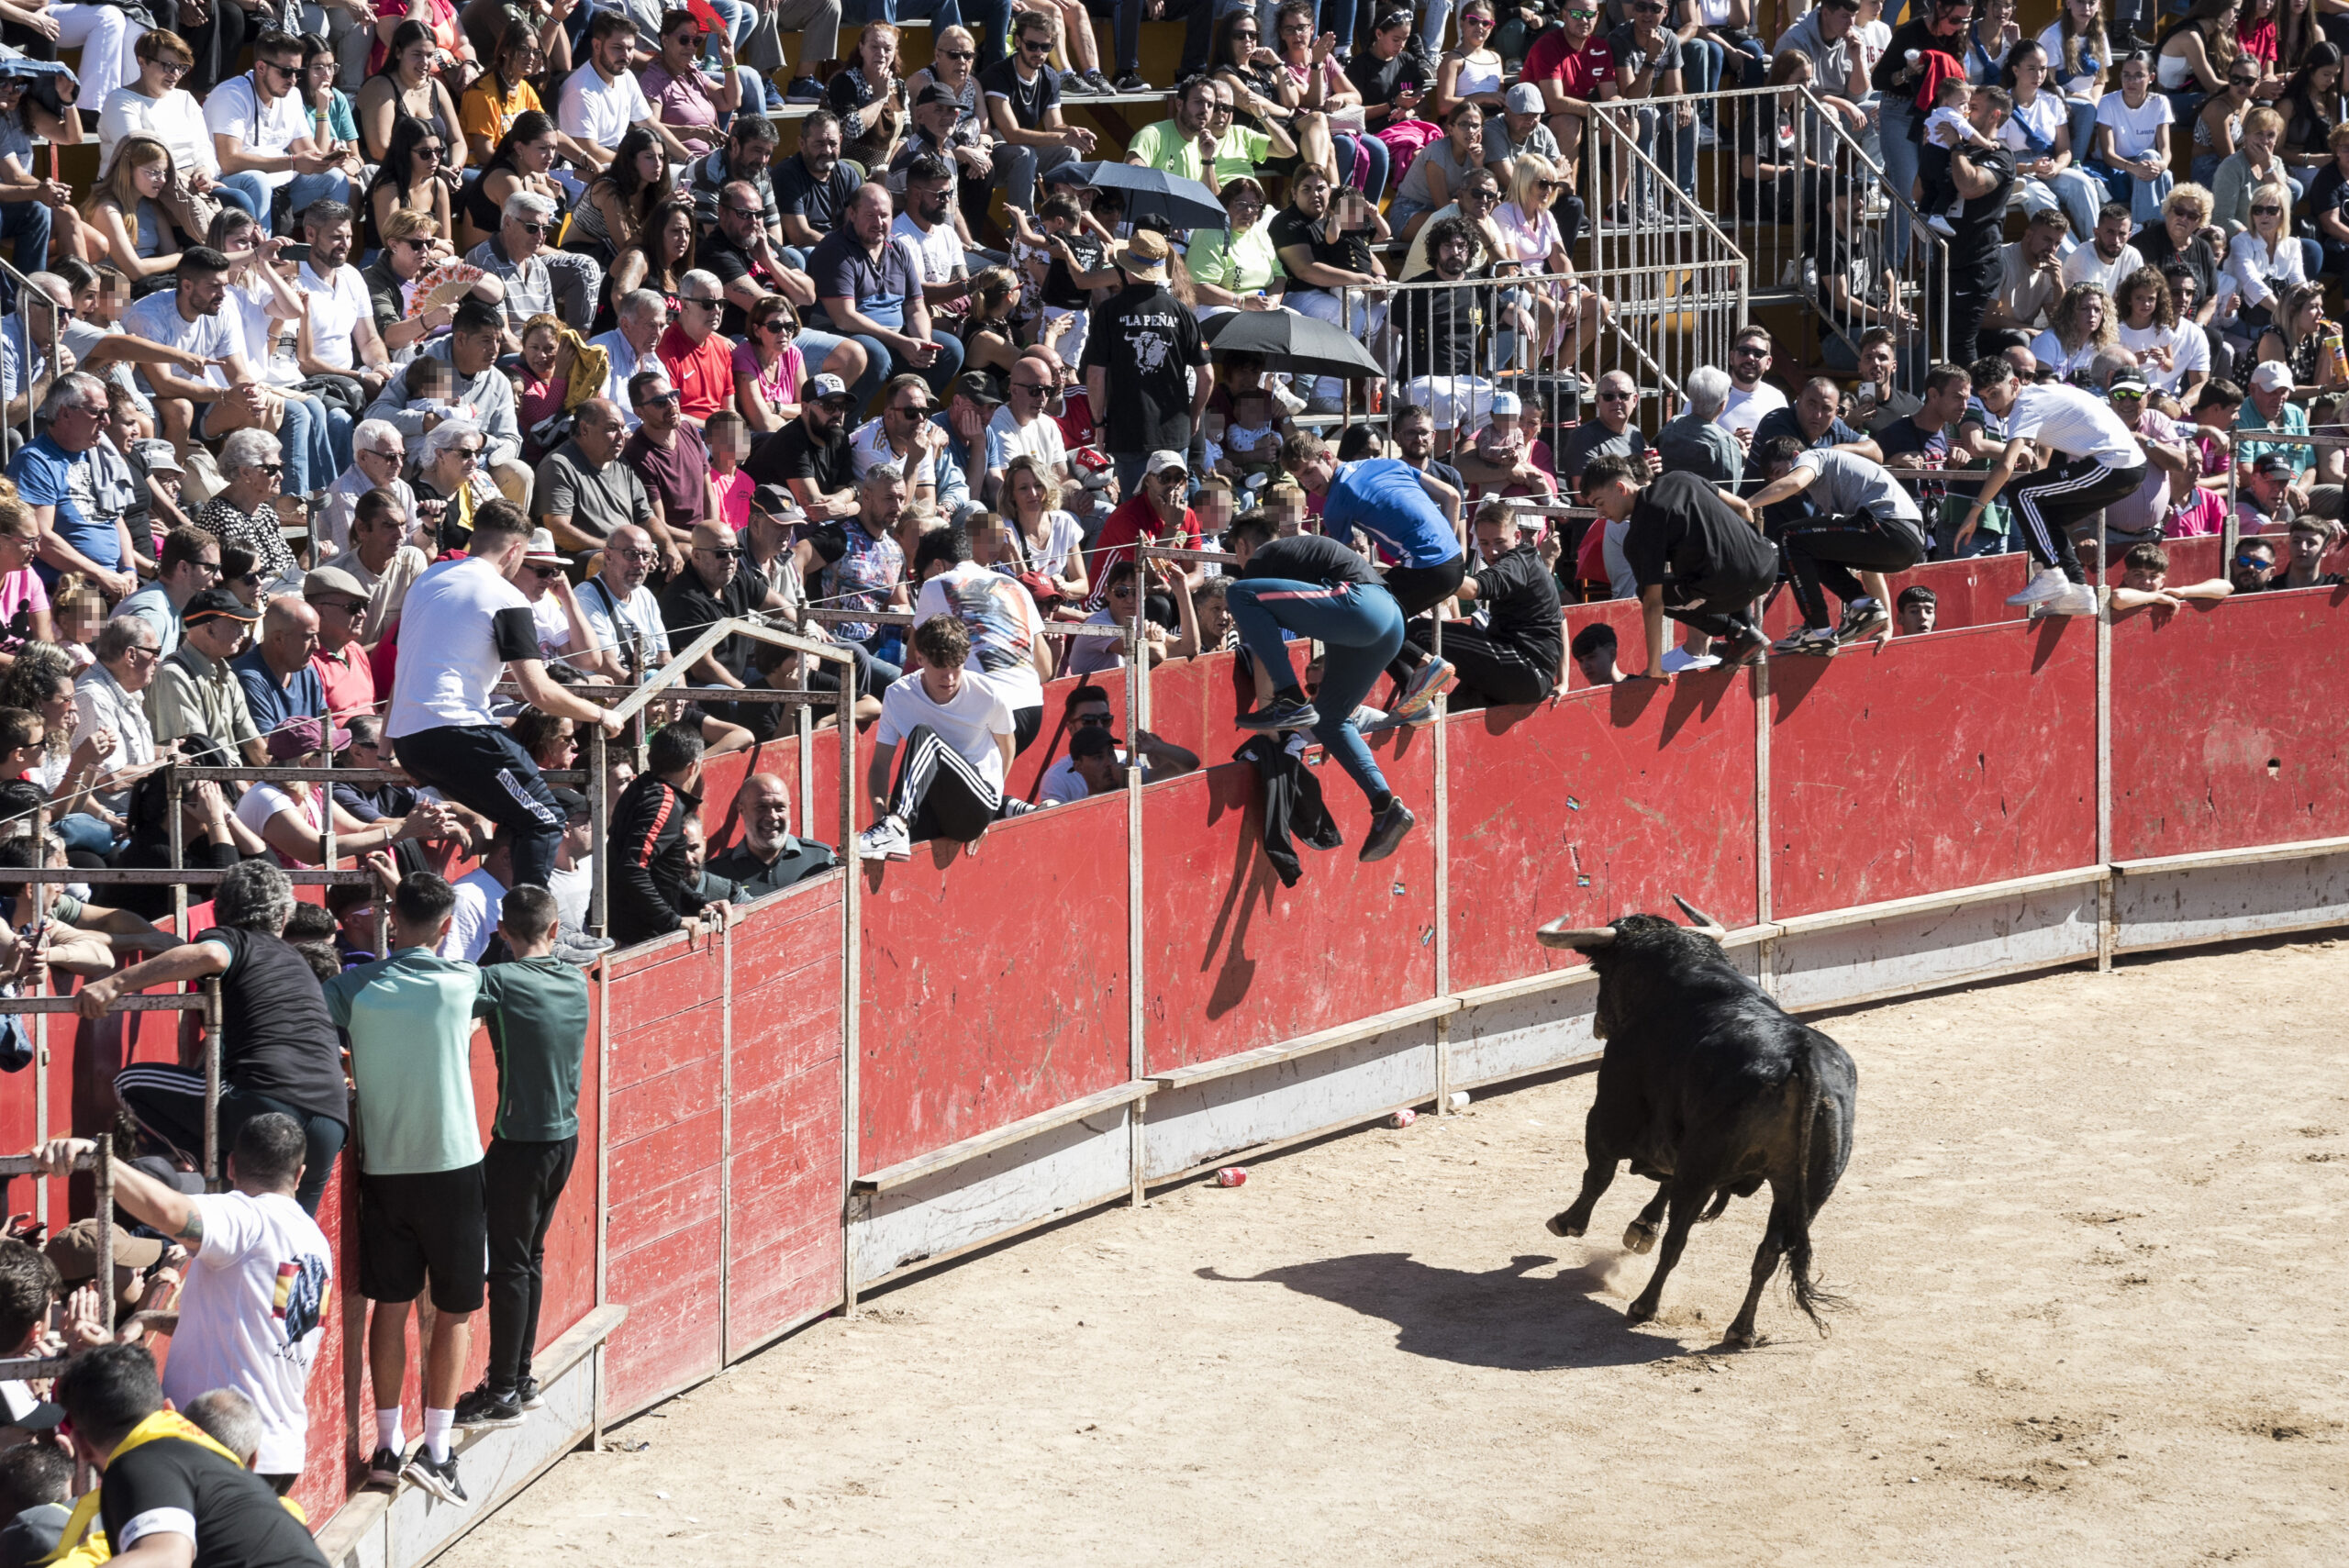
{"points": [[24, 602], [1565, 312], [768, 367], [673, 84], [545, 379]]}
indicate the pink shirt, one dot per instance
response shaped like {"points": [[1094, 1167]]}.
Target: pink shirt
{"points": [[778, 382], [21, 594], [682, 103], [733, 497]]}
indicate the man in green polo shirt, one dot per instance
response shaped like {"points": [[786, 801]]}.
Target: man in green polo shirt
{"points": [[411, 1018], [536, 1006], [1186, 145]]}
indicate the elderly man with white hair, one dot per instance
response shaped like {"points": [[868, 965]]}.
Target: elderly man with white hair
{"points": [[539, 280], [630, 346], [377, 453], [1696, 442]]}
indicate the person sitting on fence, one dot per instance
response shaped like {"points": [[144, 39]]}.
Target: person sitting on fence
{"points": [[650, 894], [1514, 656], [410, 1018], [956, 732], [1696, 555], [1858, 516], [1313, 586], [535, 1005], [2144, 580], [165, 1482], [278, 1048], [769, 857], [1915, 610], [2097, 461], [252, 1313], [1594, 654]]}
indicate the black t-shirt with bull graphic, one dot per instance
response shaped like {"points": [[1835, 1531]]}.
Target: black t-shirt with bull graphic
{"points": [[1149, 344]]}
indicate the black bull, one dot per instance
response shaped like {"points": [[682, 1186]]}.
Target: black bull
{"points": [[1710, 1088]]}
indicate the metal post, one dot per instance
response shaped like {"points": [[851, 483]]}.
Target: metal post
{"points": [[724, 1141], [2104, 749], [1767, 962], [175, 806], [1136, 706], [851, 959], [212, 1082], [599, 808], [1441, 816], [806, 723], [102, 1163], [599, 812]]}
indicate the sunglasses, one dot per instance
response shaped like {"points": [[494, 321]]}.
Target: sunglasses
{"points": [[1031, 388], [471, 454], [1748, 351], [2267, 212], [1614, 398], [656, 399], [1583, 15], [431, 152], [1035, 46], [546, 574], [1482, 21], [958, 53], [272, 468], [1249, 37], [740, 211], [727, 552]]}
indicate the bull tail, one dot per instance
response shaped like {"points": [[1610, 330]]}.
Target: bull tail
{"points": [[1805, 1291]]}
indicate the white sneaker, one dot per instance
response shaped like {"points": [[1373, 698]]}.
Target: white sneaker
{"points": [[1941, 226], [1680, 661], [2040, 588], [2078, 599], [884, 840]]}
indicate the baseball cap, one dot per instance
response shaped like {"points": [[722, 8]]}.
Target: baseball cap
{"points": [[1524, 98], [2274, 375], [1144, 256], [2275, 465], [824, 388], [775, 501], [328, 580], [933, 94], [1160, 462], [573, 804], [295, 735], [218, 602], [75, 1251], [1506, 402], [979, 387], [541, 551], [2126, 384], [1092, 740], [157, 456]]}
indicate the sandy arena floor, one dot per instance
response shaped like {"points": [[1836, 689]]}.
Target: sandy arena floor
{"points": [[2095, 1231]]}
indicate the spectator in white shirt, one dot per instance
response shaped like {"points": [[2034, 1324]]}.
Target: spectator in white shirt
{"points": [[603, 99], [630, 346], [262, 134], [2107, 257], [154, 105]]}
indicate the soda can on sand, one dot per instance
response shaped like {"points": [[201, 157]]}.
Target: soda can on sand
{"points": [[1231, 1176], [1403, 1117]]}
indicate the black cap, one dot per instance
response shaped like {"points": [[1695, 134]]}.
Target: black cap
{"points": [[775, 502], [1092, 740], [573, 804], [934, 93], [978, 387], [215, 602]]}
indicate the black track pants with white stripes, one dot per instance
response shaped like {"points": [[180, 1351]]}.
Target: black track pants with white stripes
{"points": [[168, 1105], [481, 766], [1492, 674], [939, 795], [2048, 501]]}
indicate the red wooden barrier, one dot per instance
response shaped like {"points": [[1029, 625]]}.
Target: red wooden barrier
{"points": [[1594, 805], [993, 985], [783, 1228], [1237, 959], [2214, 745], [668, 1035], [1932, 764]]}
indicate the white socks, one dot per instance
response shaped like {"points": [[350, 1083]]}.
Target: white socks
{"points": [[436, 1433], [387, 1430]]}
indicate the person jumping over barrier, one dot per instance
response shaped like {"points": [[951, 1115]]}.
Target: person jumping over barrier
{"points": [[2098, 462], [1860, 515], [956, 730], [1316, 587], [1697, 552], [1414, 517]]}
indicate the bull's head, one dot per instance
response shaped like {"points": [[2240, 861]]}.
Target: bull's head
{"points": [[1590, 939]]}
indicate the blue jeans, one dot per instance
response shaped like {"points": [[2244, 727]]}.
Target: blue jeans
{"points": [[1338, 17], [307, 439], [1360, 630], [26, 223], [300, 193], [816, 347], [1350, 146], [1899, 168]]}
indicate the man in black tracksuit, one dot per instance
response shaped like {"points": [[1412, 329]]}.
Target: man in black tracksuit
{"points": [[654, 886], [1513, 658]]}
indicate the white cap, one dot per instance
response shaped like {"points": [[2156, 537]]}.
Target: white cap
{"points": [[1524, 98], [1506, 402], [2272, 376]]}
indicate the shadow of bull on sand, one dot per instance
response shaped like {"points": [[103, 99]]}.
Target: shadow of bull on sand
{"points": [[1501, 1317]]}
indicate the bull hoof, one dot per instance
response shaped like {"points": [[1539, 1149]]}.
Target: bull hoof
{"points": [[1639, 1238], [1559, 1225], [1639, 1312], [1744, 1339]]}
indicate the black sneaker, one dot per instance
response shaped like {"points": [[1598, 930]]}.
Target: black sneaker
{"points": [[1747, 645], [1098, 83], [1862, 618], [384, 1469], [1281, 713], [803, 89], [526, 1389], [440, 1479], [1134, 81], [1387, 832], [488, 1406]]}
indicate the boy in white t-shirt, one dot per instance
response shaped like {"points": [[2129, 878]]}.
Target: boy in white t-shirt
{"points": [[253, 1312], [957, 730]]}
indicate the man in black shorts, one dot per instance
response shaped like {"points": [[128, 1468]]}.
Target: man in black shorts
{"points": [[411, 1018], [163, 1482]]}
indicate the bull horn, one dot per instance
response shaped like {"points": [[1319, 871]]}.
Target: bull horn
{"points": [[1557, 934], [1699, 921]]}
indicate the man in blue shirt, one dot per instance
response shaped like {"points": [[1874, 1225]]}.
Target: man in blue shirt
{"points": [[1414, 519], [279, 680], [56, 477], [869, 291]]}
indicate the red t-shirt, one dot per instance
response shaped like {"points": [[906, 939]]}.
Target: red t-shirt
{"points": [[1137, 520], [702, 372], [1577, 73]]}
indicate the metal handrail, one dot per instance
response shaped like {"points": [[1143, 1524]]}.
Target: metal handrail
{"points": [[1936, 250]]}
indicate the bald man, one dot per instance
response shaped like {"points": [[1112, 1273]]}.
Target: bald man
{"points": [[279, 680], [711, 588], [769, 858], [621, 611]]}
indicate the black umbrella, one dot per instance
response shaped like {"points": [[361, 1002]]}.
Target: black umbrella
{"points": [[1299, 344], [1155, 192]]}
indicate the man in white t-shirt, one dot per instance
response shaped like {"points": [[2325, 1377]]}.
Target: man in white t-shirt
{"points": [[925, 227], [1021, 425], [956, 730], [463, 629], [481, 892], [2094, 461], [262, 134], [253, 1309], [1749, 396], [620, 612], [603, 100], [2107, 257], [342, 322]]}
